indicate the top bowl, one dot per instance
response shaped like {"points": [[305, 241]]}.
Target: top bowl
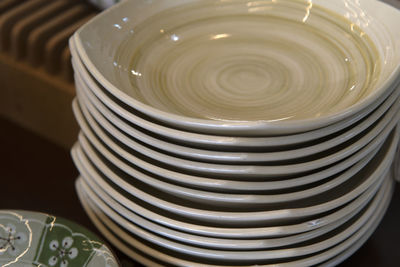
{"points": [[245, 68]]}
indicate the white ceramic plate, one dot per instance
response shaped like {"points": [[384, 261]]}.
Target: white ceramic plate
{"points": [[129, 175], [139, 31], [264, 171], [103, 190], [213, 142], [131, 252], [228, 184], [89, 157], [125, 132], [134, 227], [117, 236], [273, 215], [108, 204], [192, 179]]}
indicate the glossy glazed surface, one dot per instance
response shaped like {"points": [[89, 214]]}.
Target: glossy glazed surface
{"points": [[240, 255], [116, 169], [236, 61], [21, 147], [35, 239], [225, 184], [259, 171], [219, 110], [109, 106], [361, 231], [94, 110], [272, 214]]}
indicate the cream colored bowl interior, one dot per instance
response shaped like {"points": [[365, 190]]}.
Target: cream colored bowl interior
{"points": [[244, 67]]}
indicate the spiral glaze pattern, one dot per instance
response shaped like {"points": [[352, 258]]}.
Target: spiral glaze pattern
{"points": [[249, 61]]}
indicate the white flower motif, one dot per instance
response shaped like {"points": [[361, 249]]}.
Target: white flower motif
{"points": [[11, 239], [64, 263], [64, 251], [53, 261], [54, 245]]}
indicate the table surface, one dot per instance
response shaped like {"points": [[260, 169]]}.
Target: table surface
{"points": [[39, 175]]}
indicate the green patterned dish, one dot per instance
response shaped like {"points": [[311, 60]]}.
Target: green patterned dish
{"points": [[38, 239]]}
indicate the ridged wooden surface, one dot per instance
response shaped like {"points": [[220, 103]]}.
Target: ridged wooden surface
{"points": [[35, 64]]}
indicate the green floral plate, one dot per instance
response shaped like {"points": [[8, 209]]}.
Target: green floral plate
{"points": [[38, 239]]}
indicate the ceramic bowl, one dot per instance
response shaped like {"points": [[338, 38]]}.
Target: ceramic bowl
{"points": [[250, 170], [240, 255], [164, 60], [264, 215], [105, 190], [124, 132], [124, 216], [112, 109], [132, 245], [117, 170], [235, 171], [231, 184], [109, 205], [105, 193], [88, 157], [240, 172]]}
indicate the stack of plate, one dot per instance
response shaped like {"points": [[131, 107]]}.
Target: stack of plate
{"points": [[237, 132]]}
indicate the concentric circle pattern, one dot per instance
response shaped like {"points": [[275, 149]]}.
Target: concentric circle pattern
{"points": [[248, 60]]}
